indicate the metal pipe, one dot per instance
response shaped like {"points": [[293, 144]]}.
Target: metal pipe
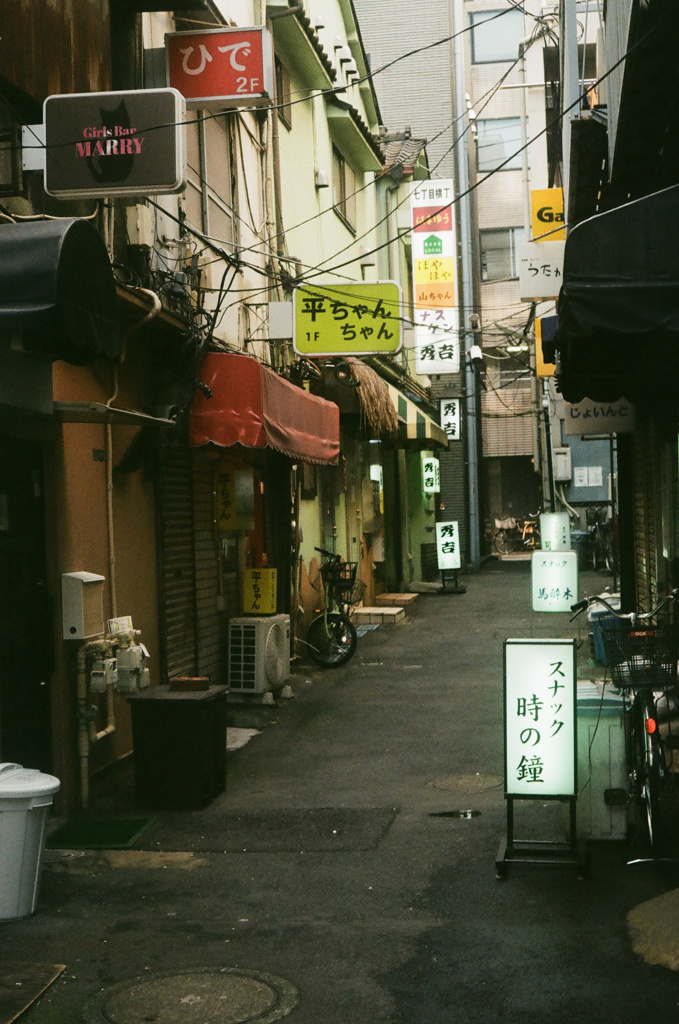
{"points": [[467, 289]]}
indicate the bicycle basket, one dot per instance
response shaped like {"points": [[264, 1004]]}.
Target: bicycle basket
{"points": [[645, 656], [357, 592], [339, 576]]}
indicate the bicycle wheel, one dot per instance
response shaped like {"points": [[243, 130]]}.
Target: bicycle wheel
{"points": [[332, 640], [503, 544], [650, 766]]}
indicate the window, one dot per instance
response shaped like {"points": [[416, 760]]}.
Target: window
{"points": [[499, 253], [498, 139], [497, 39], [344, 189], [209, 192], [283, 93]]}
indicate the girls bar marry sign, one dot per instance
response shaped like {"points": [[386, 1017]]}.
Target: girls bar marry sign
{"points": [[224, 67], [437, 343]]}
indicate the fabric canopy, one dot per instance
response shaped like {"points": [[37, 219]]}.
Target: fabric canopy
{"points": [[251, 405], [618, 333], [415, 428], [57, 286]]}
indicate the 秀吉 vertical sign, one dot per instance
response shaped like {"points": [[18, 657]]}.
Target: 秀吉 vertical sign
{"points": [[437, 342], [540, 718]]}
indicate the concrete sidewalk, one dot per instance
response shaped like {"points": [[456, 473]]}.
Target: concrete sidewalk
{"points": [[334, 880]]}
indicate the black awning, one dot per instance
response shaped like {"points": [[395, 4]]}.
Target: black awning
{"points": [[57, 287], [618, 333]]}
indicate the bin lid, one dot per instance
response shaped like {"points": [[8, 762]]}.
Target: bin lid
{"points": [[18, 782]]}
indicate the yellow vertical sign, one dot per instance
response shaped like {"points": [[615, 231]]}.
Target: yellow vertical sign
{"points": [[259, 591], [547, 223]]}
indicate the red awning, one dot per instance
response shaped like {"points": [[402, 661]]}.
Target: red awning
{"points": [[253, 406]]}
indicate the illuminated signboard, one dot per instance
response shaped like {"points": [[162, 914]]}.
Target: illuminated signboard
{"points": [[547, 223], [431, 474], [259, 591], [449, 415], [114, 143], [448, 546], [437, 340], [555, 531], [347, 319], [540, 717], [223, 67], [554, 580]]}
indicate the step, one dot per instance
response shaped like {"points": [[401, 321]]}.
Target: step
{"points": [[403, 600], [380, 616]]}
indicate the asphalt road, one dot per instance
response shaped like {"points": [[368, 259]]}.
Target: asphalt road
{"points": [[334, 859]]}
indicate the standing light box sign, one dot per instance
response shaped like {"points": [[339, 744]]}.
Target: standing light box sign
{"points": [[114, 143], [347, 319], [437, 341], [221, 68], [431, 475], [449, 415], [540, 718], [448, 546], [554, 580], [555, 531]]}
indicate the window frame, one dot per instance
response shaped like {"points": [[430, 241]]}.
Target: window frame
{"points": [[516, 235], [481, 21], [516, 156], [344, 203], [282, 78]]}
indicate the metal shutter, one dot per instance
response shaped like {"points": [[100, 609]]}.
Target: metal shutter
{"points": [[646, 446], [178, 566], [209, 627]]}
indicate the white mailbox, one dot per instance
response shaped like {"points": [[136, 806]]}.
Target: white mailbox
{"points": [[82, 604]]}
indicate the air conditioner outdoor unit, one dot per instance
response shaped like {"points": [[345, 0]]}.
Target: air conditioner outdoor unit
{"points": [[259, 653]]}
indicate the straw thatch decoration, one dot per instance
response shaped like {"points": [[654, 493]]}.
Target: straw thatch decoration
{"points": [[377, 409]]}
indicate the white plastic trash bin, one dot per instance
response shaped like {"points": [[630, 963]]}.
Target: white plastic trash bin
{"points": [[25, 799]]}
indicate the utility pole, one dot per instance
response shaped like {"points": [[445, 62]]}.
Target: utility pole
{"points": [[570, 87], [466, 289]]}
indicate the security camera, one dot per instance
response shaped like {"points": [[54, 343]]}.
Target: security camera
{"points": [[475, 354], [474, 322]]}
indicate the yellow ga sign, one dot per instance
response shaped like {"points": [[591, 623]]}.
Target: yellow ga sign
{"points": [[347, 319], [547, 223]]}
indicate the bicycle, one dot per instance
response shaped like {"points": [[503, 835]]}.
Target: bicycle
{"points": [[601, 534], [517, 535], [642, 659], [331, 637]]}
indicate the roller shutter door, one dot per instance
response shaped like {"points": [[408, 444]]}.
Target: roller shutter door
{"points": [[180, 644]]}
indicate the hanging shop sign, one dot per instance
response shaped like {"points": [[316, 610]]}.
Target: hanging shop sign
{"points": [[347, 319], [221, 68], [540, 718], [449, 417], [540, 270], [259, 591], [554, 577], [431, 474], [434, 254], [547, 222], [234, 498], [114, 143], [588, 417], [555, 531], [545, 331], [448, 546]]}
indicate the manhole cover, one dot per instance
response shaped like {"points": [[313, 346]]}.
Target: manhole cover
{"points": [[227, 996], [467, 783]]}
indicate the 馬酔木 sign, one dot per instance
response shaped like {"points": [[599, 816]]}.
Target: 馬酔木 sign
{"points": [[114, 143], [554, 580], [347, 319], [540, 718], [221, 67]]}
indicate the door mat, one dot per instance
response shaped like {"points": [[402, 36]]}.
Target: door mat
{"points": [[98, 833], [312, 830], [21, 984]]}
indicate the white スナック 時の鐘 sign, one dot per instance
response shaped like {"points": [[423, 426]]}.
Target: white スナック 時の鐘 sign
{"points": [[540, 709]]}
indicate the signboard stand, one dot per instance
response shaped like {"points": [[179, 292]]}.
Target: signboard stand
{"points": [[540, 746], [445, 579]]}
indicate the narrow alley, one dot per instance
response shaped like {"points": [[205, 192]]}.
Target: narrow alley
{"points": [[333, 861]]}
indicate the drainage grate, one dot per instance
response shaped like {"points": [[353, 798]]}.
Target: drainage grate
{"points": [[461, 815]]}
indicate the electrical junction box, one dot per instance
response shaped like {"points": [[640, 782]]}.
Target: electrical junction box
{"points": [[562, 465], [82, 605], [280, 321], [139, 221]]}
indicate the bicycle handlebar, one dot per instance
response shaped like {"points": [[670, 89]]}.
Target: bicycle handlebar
{"points": [[625, 616], [328, 554]]}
